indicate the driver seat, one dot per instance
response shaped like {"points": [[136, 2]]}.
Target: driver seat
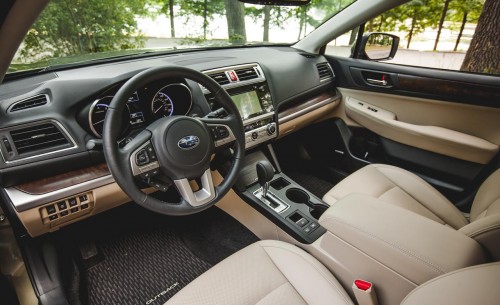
{"points": [[277, 273]]}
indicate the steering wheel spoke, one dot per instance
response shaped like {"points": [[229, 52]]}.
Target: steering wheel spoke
{"points": [[204, 195]]}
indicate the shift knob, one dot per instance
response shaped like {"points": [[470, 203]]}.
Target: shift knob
{"points": [[265, 173]]}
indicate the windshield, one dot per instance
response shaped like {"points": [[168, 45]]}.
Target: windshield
{"points": [[75, 31]]}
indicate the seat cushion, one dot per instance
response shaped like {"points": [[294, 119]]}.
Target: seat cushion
{"points": [[267, 272], [397, 186]]}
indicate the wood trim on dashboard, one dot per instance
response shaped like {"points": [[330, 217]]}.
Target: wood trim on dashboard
{"points": [[61, 181], [308, 106]]}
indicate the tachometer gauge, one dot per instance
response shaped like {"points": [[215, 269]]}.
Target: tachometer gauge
{"points": [[162, 105], [173, 99], [97, 114]]}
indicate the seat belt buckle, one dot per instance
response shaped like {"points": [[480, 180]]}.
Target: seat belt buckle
{"points": [[364, 292]]}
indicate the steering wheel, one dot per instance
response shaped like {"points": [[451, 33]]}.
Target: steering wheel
{"points": [[175, 148]]}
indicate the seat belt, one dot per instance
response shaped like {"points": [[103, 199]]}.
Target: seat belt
{"points": [[364, 292]]}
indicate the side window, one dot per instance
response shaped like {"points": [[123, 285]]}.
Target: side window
{"points": [[459, 35], [342, 45]]}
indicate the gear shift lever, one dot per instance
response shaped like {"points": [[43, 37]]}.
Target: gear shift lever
{"points": [[265, 173]]}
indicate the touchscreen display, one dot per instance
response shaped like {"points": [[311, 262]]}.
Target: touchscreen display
{"points": [[248, 104]]}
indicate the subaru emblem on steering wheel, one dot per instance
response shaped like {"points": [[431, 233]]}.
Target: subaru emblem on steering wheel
{"points": [[188, 142]]}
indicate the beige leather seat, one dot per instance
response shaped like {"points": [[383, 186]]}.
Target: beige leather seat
{"points": [[267, 272], [404, 189], [272, 272]]}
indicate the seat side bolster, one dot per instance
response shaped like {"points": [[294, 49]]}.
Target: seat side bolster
{"points": [[306, 274], [486, 231], [473, 285]]}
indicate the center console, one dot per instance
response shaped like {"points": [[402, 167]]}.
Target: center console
{"points": [[247, 86], [279, 198]]}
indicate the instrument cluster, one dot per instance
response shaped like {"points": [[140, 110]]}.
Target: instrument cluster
{"points": [[154, 101]]}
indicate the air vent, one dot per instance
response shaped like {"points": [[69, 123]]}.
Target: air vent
{"points": [[38, 138], [246, 73], [31, 102], [324, 70], [308, 55], [221, 78]]}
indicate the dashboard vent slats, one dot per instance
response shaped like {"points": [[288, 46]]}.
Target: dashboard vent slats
{"points": [[31, 102], [324, 71], [220, 78], [38, 138], [246, 74]]}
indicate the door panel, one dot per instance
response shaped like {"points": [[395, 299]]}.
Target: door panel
{"points": [[388, 122], [438, 124]]}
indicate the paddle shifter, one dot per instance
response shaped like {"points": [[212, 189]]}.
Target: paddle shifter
{"points": [[265, 173]]}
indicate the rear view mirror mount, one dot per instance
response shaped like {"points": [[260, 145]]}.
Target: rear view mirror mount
{"points": [[278, 2]]}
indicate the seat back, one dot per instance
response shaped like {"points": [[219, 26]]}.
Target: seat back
{"points": [[473, 285], [485, 216]]}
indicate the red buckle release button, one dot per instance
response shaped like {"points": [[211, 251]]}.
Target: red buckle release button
{"points": [[363, 285]]}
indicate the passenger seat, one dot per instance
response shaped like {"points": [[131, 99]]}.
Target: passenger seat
{"points": [[402, 188]]}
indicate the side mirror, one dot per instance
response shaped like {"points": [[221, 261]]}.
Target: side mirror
{"points": [[378, 46]]}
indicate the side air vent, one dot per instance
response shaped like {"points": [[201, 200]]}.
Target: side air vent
{"points": [[31, 102], [308, 55], [221, 78], [246, 73], [38, 138], [324, 71]]}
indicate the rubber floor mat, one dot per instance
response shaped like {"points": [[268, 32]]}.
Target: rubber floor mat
{"points": [[145, 267], [313, 184]]}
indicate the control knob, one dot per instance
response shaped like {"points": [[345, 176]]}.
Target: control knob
{"points": [[271, 129]]}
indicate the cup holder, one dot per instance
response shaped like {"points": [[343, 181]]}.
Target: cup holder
{"points": [[297, 196], [317, 210]]}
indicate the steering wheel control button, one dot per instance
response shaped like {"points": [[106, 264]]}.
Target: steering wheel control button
{"points": [[151, 153], [51, 209], [222, 132], [62, 205], [141, 158]]}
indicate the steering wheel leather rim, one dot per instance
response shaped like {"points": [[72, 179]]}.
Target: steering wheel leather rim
{"points": [[121, 169]]}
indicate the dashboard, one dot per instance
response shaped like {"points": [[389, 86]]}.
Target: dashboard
{"points": [[52, 166]]}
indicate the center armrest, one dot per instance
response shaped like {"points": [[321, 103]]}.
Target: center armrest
{"points": [[413, 246]]}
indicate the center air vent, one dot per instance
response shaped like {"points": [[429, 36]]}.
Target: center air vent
{"points": [[325, 71], [41, 138], [31, 102], [220, 78], [246, 73]]}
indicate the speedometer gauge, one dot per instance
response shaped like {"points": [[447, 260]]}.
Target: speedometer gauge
{"points": [[97, 114], [173, 99], [162, 105]]}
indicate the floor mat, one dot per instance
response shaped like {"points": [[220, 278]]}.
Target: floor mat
{"points": [[313, 184], [142, 268], [145, 258]]}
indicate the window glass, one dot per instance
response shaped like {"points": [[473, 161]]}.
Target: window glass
{"points": [[451, 34]]}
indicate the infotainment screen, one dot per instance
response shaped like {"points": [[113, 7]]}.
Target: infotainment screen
{"points": [[248, 104]]}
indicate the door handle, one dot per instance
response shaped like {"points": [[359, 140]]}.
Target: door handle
{"points": [[377, 82]]}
